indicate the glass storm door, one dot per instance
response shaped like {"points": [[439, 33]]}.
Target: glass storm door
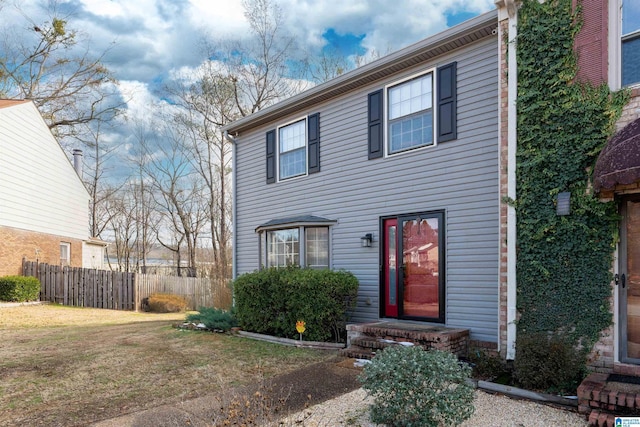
{"points": [[390, 267], [628, 280], [413, 267]]}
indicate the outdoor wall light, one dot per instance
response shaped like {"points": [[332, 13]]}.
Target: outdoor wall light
{"points": [[563, 203], [366, 240]]}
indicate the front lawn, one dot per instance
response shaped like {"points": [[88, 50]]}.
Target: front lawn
{"points": [[73, 366]]}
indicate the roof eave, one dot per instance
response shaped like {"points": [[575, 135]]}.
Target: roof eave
{"points": [[453, 38]]}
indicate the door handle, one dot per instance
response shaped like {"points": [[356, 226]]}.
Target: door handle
{"points": [[620, 279]]}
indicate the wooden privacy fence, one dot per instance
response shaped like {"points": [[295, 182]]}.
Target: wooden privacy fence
{"points": [[196, 290], [84, 287]]}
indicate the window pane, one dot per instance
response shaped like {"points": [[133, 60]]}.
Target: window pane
{"points": [[292, 144], [292, 136], [410, 97], [293, 163], [631, 61], [283, 248], [420, 253], [410, 114], [317, 247], [414, 131], [630, 16]]}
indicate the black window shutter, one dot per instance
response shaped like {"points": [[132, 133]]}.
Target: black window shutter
{"points": [[376, 124], [313, 123], [271, 156], [447, 102]]}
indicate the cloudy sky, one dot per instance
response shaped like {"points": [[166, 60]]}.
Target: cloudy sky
{"points": [[146, 41]]}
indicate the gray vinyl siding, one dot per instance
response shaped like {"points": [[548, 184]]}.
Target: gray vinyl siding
{"points": [[459, 177]]}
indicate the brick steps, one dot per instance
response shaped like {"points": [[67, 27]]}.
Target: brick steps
{"points": [[602, 400], [364, 340]]}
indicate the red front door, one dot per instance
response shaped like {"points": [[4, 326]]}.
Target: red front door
{"points": [[413, 267]]}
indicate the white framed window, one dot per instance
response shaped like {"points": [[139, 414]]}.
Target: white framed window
{"points": [[65, 253], [292, 149], [630, 42], [303, 241], [300, 246], [410, 114], [283, 247], [316, 247]]}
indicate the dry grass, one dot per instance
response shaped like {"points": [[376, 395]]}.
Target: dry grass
{"points": [[72, 366]]}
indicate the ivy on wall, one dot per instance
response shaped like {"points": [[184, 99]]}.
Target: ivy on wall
{"points": [[563, 262]]}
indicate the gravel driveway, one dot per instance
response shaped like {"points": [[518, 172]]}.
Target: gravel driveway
{"points": [[491, 410]]}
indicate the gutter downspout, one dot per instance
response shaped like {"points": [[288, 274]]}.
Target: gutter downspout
{"points": [[512, 139], [508, 10], [234, 268]]}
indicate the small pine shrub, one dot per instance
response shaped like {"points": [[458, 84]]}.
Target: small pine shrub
{"points": [[214, 319], [19, 288], [167, 303], [414, 387], [549, 363]]}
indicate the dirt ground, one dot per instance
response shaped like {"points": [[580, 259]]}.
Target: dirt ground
{"points": [[258, 404], [65, 366]]}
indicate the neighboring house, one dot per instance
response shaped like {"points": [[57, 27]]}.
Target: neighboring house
{"points": [[44, 207], [608, 49], [390, 171], [396, 171]]}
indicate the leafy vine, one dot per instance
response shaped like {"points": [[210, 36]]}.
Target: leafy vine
{"points": [[563, 262]]}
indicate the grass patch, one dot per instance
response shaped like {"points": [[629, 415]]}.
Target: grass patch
{"points": [[73, 366]]}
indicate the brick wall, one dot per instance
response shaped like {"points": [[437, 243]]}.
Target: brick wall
{"points": [[592, 42], [17, 244], [602, 357]]}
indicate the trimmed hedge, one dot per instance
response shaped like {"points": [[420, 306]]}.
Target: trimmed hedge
{"points": [[270, 302], [19, 288]]}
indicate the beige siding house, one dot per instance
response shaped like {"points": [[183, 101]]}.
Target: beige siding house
{"points": [[43, 203]]}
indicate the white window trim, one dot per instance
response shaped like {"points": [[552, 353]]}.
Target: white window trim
{"points": [[68, 260], [306, 149], [434, 109], [615, 46], [263, 252]]}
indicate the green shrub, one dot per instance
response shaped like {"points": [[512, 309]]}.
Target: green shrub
{"points": [[548, 363], [214, 319], [270, 301], [19, 288], [167, 303], [489, 366], [414, 387]]}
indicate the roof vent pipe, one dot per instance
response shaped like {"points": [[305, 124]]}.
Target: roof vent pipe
{"points": [[77, 161]]}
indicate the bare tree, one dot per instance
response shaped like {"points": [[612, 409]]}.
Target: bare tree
{"points": [[329, 64], [262, 68], [122, 227], [101, 189], [68, 85], [176, 190], [207, 105]]}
